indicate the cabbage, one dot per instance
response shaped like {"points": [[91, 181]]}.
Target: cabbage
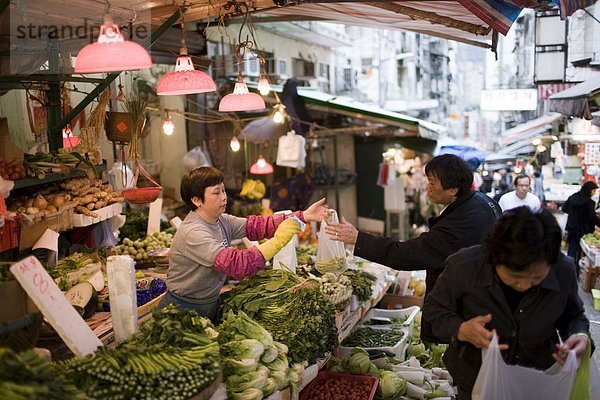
{"points": [[239, 367], [248, 394], [240, 349], [241, 326], [391, 386], [415, 349], [280, 377], [269, 355], [279, 364], [298, 368], [269, 387], [292, 376], [239, 383], [281, 348], [358, 361]]}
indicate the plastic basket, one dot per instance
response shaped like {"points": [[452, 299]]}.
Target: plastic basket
{"points": [[408, 314], [311, 391], [21, 333], [399, 349], [141, 195]]}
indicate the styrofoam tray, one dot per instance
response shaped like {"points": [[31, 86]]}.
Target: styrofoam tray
{"points": [[103, 214], [410, 313], [399, 349]]}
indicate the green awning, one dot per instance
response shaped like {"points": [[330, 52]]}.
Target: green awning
{"points": [[343, 105]]}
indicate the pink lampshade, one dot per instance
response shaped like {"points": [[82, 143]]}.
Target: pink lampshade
{"points": [[111, 53], [185, 79], [241, 99], [261, 167]]}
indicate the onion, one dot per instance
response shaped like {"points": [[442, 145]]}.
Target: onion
{"points": [[40, 202], [51, 208], [58, 200]]}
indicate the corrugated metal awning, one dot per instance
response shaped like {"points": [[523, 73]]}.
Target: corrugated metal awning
{"points": [[574, 102], [530, 128]]}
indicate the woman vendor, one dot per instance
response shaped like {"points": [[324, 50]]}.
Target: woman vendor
{"points": [[201, 257]]}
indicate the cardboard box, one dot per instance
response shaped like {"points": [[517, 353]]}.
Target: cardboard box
{"points": [[391, 302], [8, 150], [15, 302]]}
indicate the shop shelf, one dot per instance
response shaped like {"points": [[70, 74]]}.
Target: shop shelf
{"points": [[50, 178]]}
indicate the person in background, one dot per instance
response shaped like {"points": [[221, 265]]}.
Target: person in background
{"points": [[582, 218], [465, 220], [201, 257], [538, 185], [518, 285], [521, 196]]}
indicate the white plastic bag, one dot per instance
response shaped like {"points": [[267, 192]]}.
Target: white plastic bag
{"points": [[286, 258], [291, 151], [331, 255], [498, 381]]}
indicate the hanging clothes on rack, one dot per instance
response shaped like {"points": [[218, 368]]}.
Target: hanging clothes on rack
{"points": [[291, 151]]}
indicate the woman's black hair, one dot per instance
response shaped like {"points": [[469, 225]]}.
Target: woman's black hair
{"points": [[522, 237], [588, 187], [195, 182], [452, 172]]}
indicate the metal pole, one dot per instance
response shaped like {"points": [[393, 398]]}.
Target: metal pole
{"points": [[335, 176]]}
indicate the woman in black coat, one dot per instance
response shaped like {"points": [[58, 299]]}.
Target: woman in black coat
{"points": [[582, 218]]}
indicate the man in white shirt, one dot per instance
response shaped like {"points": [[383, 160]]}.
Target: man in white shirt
{"points": [[521, 196]]}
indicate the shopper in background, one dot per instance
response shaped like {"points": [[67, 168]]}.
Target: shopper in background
{"points": [[466, 219], [519, 285], [582, 218], [521, 196], [201, 257]]}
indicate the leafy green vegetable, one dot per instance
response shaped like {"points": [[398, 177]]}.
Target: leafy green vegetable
{"points": [[391, 386], [248, 394], [239, 383], [240, 349]]}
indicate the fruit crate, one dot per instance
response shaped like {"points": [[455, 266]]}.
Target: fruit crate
{"points": [[311, 392]]}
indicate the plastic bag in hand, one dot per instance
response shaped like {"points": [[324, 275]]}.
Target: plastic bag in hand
{"points": [[331, 254], [498, 381]]}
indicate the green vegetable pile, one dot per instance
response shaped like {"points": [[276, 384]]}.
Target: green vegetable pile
{"points": [[394, 322], [136, 226], [26, 376], [305, 254], [254, 366], [369, 337], [272, 297], [334, 265], [429, 354], [175, 356], [362, 283]]}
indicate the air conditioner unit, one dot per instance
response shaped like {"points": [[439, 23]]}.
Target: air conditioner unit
{"points": [[281, 66], [250, 66]]}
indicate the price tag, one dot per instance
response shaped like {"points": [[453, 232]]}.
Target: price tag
{"points": [[46, 295], [154, 216]]}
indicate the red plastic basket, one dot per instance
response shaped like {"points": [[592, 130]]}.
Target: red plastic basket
{"points": [[310, 392], [142, 195]]}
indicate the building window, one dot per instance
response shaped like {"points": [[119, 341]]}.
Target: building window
{"points": [[348, 79], [303, 68], [324, 71]]}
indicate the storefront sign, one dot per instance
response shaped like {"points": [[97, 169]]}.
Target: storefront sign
{"points": [[548, 89], [509, 100]]}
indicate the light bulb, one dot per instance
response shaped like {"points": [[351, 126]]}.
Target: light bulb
{"points": [[536, 142], [278, 117], [234, 144], [541, 148], [263, 86], [261, 162], [168, 126]]}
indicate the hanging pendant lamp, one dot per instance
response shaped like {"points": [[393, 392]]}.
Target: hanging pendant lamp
{"points": [[111, 53], [185, 79], [261, 167], [263, 85], [241, 99]]}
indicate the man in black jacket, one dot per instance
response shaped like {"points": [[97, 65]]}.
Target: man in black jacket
{"points": [[466, 219], [519, 285], [582, 218]]}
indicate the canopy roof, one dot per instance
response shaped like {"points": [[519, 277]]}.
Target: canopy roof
{"points": [[574, 102], [530, 128], [469, 21]]}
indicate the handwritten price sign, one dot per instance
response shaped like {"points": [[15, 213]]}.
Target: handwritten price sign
{"points": [[44, 292]]}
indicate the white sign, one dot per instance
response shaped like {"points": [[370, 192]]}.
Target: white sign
{"points": [[509, 100], [54, 305]]}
